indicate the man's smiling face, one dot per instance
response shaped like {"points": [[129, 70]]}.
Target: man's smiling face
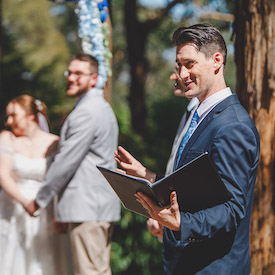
{"points": [[196, 72], [80, 78]]}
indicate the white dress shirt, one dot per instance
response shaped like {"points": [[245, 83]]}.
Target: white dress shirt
{"points": [[209, 103]]}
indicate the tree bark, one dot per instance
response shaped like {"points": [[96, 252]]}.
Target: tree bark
{"points": [[136, 38], [255, 59]]}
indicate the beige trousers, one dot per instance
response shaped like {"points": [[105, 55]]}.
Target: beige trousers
{"points": [[91, 247]]}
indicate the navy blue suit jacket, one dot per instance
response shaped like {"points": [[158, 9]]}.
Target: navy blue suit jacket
{"points": [[216, 240]]}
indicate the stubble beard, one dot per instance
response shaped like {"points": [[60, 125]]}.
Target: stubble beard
{"points": [[75, 94]]}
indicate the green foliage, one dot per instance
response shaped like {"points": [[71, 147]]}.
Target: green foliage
{"points": [[134, 250], [165, 116], [35, 55]]}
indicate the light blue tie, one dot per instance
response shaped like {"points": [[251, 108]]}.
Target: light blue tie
{"points": [[192, 126]]}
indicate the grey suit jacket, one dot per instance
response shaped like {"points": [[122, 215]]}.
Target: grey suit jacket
{"points": [[88, 138]]}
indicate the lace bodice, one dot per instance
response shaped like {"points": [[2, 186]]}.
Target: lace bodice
{"points": [[29, 246], [26, 168]]}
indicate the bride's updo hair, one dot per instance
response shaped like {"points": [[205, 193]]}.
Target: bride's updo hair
{"points": [[31, 106]]}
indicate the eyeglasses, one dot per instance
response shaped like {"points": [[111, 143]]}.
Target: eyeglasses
{"points": [[76, 74]]}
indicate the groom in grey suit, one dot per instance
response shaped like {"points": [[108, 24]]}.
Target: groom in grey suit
{"points": [[86, 202]]}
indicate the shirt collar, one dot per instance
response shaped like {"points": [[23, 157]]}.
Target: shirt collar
{"points": [[192, 104], [209, 103]]}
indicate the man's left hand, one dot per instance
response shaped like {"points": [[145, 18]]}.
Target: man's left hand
{"points": [[167, 216]]}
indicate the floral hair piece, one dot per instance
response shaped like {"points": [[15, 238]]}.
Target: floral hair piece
{"points": [[38, 105]]}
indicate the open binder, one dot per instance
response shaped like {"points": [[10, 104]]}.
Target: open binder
{"points": [[198, 186]]}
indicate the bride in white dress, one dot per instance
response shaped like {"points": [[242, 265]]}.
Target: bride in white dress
{"points": [[28, 246]]}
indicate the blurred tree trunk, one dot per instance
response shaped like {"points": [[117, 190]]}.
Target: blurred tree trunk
{"points": [[1, 49], [2, 95], [255, 59], [136, 36], [1, 30]]}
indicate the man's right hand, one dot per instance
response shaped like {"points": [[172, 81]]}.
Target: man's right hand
{"points": [[132, 166]]}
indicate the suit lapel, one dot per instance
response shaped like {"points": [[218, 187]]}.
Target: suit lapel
{"points": [[209, 117]]}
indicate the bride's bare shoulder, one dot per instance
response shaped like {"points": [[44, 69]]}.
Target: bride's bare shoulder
{"points": [[50, 136], [55, 137], [6, 138], [51, 141]]}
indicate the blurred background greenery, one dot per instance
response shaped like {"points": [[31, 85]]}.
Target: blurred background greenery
{"points": [[39, 38]]}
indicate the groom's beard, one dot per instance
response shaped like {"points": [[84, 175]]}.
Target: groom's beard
{"points": [[76, 91]]}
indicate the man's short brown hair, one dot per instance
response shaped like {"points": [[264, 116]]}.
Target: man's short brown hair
{"points": [[88, 58]]}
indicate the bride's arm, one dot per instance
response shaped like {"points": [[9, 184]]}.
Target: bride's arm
{"points": [[7, 181]]}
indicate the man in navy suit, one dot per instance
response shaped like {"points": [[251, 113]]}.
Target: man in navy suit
{"points": [[213, 240]]}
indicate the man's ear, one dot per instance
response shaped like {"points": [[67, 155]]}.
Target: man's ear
{"points": [[218, 61], [93, 80]]}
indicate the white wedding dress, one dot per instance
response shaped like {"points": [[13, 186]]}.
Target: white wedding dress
{"points": [[29, 246]]}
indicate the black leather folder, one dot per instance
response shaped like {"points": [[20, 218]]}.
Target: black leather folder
{"points": [[198, 186]]}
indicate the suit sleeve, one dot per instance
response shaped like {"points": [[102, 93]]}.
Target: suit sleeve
{"points": [[235, 153], [79, 136]]}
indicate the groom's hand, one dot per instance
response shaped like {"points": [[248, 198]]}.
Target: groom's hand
{"points": [[31, 207]]}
